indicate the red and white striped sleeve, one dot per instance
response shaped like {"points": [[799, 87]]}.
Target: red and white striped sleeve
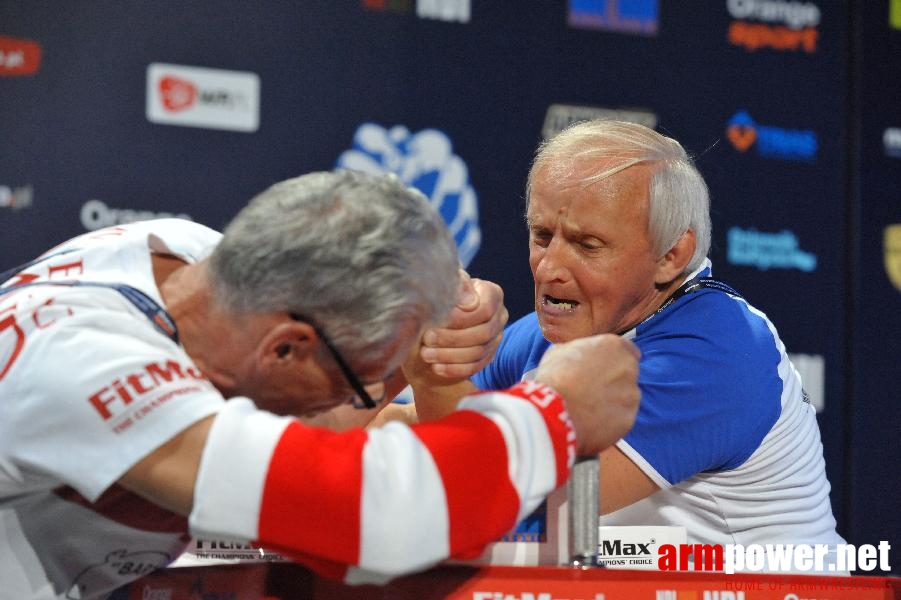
{"points": [[388, 501]]}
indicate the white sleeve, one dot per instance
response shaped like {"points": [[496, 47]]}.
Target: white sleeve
{"points": [[392, 500]]}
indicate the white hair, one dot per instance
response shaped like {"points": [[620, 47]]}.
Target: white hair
{"points": [[678, 196]]}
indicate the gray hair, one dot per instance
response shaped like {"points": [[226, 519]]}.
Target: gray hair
{"points": [[363, 256], [678, 197]]}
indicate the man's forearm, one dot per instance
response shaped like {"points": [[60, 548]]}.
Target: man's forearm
{"points": [[436, 401]]}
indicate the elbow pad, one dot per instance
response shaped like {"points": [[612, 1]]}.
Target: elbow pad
{"points": [[392, 500]]}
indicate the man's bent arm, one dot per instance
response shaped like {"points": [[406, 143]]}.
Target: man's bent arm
{"points": [[432, 491], [166, 476], [622, 482]]}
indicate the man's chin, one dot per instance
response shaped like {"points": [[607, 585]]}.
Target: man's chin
{"points": [[556, 333]]}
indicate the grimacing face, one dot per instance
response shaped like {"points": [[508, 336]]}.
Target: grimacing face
{"points": [[590, 252]]}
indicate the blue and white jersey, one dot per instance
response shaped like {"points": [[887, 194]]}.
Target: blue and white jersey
{"points": [[723, 428]]}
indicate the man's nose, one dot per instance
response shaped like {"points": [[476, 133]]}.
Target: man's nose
{"points": [[552, 264]]}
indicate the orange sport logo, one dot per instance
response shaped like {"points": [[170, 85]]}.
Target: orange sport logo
{"points": [[779, 25]]}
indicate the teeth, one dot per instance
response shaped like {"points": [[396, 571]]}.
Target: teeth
{"points": [[565, 305]]}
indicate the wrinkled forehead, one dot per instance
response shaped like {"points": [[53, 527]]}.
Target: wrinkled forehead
{"points": [[564, 171], [583, 169], [592, 182]]}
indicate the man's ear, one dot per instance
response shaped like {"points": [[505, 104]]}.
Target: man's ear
{"points": [[285, 343], [673, 262]]}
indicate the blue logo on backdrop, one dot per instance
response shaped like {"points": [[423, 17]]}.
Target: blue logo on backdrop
{"points": [[629, 16], [767, 250], [424, 160], [771, 142]]}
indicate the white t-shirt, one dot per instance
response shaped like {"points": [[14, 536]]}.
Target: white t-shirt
{"points": [[88, 387]]}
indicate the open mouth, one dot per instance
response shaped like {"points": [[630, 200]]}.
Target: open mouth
{"points": [[560, 303]]}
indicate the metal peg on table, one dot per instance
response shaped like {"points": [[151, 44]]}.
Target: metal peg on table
{"points": [[583, 490]]}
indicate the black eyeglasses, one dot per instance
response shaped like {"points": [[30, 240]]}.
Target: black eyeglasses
{"points": [[362, 399]]}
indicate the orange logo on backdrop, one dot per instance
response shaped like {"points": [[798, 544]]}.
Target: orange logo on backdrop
{"points": [[754, 36], [177, 94], [741, 136]]}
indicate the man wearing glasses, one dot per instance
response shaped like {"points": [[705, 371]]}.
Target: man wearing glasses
{"points": [[118, 349]]}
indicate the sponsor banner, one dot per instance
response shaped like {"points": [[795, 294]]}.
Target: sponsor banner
{"points": [[891, 141], [208, 552], [458, 11], [95, 214], [254, 582], [811, 588], [778, 25], [202, 97], [891, 247], [749, 247], [444, 10], [561, 116], [775, 558], [19, 57], [16, 198], [424, 160], [635, 547], [626, 16], [769, 141], [398, 6]]}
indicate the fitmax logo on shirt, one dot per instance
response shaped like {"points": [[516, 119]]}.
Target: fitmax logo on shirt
{"points": [[769, 141], [113, 398]]}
